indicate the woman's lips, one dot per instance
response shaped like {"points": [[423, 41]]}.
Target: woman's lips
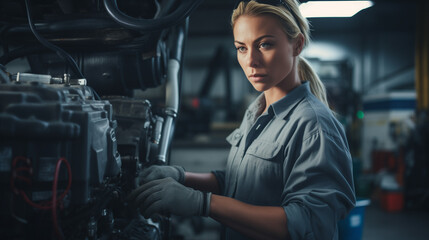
{"points": [[257, 77]]}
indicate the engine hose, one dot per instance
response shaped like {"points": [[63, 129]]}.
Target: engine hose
{"points": [[184, 10], [60, 52]]}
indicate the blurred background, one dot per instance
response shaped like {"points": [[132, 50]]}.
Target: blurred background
{"points": [[375, 67]]}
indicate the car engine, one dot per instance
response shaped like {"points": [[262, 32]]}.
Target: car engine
{"points": [[73, 135]]}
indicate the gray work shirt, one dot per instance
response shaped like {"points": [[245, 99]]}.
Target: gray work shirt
{"points": [[295, 155]]}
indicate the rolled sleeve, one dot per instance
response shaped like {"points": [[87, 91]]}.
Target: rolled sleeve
{"points": [[318, 187], [220, 178]]}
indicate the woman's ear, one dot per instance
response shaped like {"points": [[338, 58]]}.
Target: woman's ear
{"points": [[298, 45]]}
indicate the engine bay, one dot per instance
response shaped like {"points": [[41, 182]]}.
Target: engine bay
{"points": [[73, 137]]}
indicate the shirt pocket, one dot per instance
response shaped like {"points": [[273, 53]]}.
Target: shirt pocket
{"points": [[268, 151], [263, 160]]}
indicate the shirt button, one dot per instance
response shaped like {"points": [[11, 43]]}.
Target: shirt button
{"points": [[237, 135]]}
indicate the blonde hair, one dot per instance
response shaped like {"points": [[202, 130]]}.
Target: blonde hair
{"points": [[293, 24]]}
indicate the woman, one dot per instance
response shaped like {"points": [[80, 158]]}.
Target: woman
{"points": [[289, 173]]}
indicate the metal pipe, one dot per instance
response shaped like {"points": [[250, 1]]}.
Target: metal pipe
{"points": [[171, 106], [173, 83]]}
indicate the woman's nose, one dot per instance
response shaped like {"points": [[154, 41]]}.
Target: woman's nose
{"points": [[253, 58]]}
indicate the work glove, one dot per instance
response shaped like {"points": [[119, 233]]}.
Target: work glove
{"points": [[155, 172], [166, 195]]}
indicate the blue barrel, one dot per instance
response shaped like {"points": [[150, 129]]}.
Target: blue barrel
{"points": [[351, 228]]}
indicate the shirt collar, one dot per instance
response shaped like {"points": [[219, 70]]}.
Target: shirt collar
{"points": [[255, 108], [288, 102], [281, 107]]}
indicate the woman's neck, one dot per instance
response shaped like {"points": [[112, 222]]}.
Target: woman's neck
{"points": [[276, 93]]}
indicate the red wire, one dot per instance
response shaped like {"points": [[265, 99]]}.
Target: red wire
{"points": [[48, 205], [57, 171], [33, 204], [15, 170], [25, 179], [54, 195], [16, 159]]}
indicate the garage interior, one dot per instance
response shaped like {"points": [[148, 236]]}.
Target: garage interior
{"points": [[375, 65]]}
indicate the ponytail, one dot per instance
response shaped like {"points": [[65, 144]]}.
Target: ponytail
{"points": [[306, 73]]}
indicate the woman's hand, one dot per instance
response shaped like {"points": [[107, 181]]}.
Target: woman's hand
{"points": [[168, 196], [155, 172]]}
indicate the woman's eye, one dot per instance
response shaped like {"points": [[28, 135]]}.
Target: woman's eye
{"points": [[265, 45], [241, 49]]}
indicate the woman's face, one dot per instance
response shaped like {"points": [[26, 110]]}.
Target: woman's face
{"points": [[265, 53]]}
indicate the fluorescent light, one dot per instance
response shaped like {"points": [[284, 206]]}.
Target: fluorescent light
{"points": [[325, 51], [314, 9]]}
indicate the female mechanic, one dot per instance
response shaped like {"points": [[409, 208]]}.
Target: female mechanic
{"points": [[289, 171]]}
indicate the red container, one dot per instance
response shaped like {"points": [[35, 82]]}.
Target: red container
{"points": [[392, 201]]}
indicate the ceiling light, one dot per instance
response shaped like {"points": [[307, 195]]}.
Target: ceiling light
{"points": [[313, 9]]}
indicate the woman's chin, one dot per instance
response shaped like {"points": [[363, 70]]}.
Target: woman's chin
{"points": [[260, 87]]}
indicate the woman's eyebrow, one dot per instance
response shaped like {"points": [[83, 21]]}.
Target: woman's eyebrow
{"points": [[258, 39]]}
